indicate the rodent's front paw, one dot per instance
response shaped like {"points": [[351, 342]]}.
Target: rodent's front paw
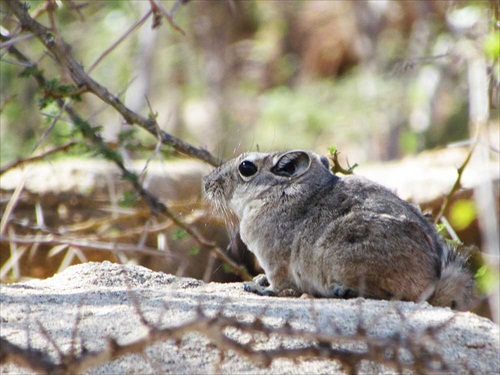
{"points": [[341, 291], [261, 280], [253, 287]]}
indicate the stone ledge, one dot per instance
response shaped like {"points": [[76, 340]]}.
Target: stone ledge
{"points": [[100, 293]]}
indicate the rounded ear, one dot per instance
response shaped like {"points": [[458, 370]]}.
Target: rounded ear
{"points": [[292, 164]]}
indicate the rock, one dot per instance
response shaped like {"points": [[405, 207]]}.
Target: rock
{"points": [[103, 298], [173, 181], [420, 178]]}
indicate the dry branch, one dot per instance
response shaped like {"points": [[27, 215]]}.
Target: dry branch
{"points": [[34, 158], [87, 244], [456, 186], [160, 11], [13, 41], [317, 345], [83, 80], [62, 53], [120, 39]]}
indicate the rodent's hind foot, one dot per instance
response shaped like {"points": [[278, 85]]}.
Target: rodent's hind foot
{"points": [[341, 291], [253, 287]]}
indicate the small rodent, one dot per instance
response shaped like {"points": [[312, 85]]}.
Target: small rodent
{"points": [[329, 236]]}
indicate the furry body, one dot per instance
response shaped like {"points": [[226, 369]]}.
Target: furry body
{"points": [[325, 235]]}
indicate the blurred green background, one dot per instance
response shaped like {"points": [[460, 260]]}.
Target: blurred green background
{"points": [[377, 79]]}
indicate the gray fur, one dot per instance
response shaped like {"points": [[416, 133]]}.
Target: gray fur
{"points": [[325, 235]]}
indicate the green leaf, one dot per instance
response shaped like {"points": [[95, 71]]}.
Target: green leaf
{"points": [[44, 102], [51, 84], [128, 199], [227, 268], [440, 228], [332, 150], [194, 251], [29, 71], [179, 234]]}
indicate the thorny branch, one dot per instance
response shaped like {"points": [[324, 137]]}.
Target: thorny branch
{"points": [[156, 205], [62, 53], [317, 345]]}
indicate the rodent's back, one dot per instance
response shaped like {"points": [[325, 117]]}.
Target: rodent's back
{"points": [[368, 231]]}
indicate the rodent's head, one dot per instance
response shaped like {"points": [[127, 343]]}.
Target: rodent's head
{"points": [[254, 179]]}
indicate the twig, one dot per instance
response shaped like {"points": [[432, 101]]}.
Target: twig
{"points": [[51, 7], [11, 205], [93, 225], [51, 126], [82, 244], [31, 358], [336, 167], [155, 205], [41, 156], [120, 39], [160, 10], [214, 330], [50, 339], [62, 53], [76, 325], [77, 7], [104, 106], [158, 144], [456, 186], [16, 252], [13, 41]]}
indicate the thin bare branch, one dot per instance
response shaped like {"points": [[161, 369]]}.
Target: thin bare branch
{"points": [[456, 186], [119, 40], [158, 9], [82, 244], [157, 147], [214, 328], [43, 155], [62, 53], [31, 358], [11, 205], [13, 41], [76, 70]]}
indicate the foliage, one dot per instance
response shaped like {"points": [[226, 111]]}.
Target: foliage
{"points": [[262, 90]]}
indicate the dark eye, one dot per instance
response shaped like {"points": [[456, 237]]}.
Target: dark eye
{"points": [[247, 168]]}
